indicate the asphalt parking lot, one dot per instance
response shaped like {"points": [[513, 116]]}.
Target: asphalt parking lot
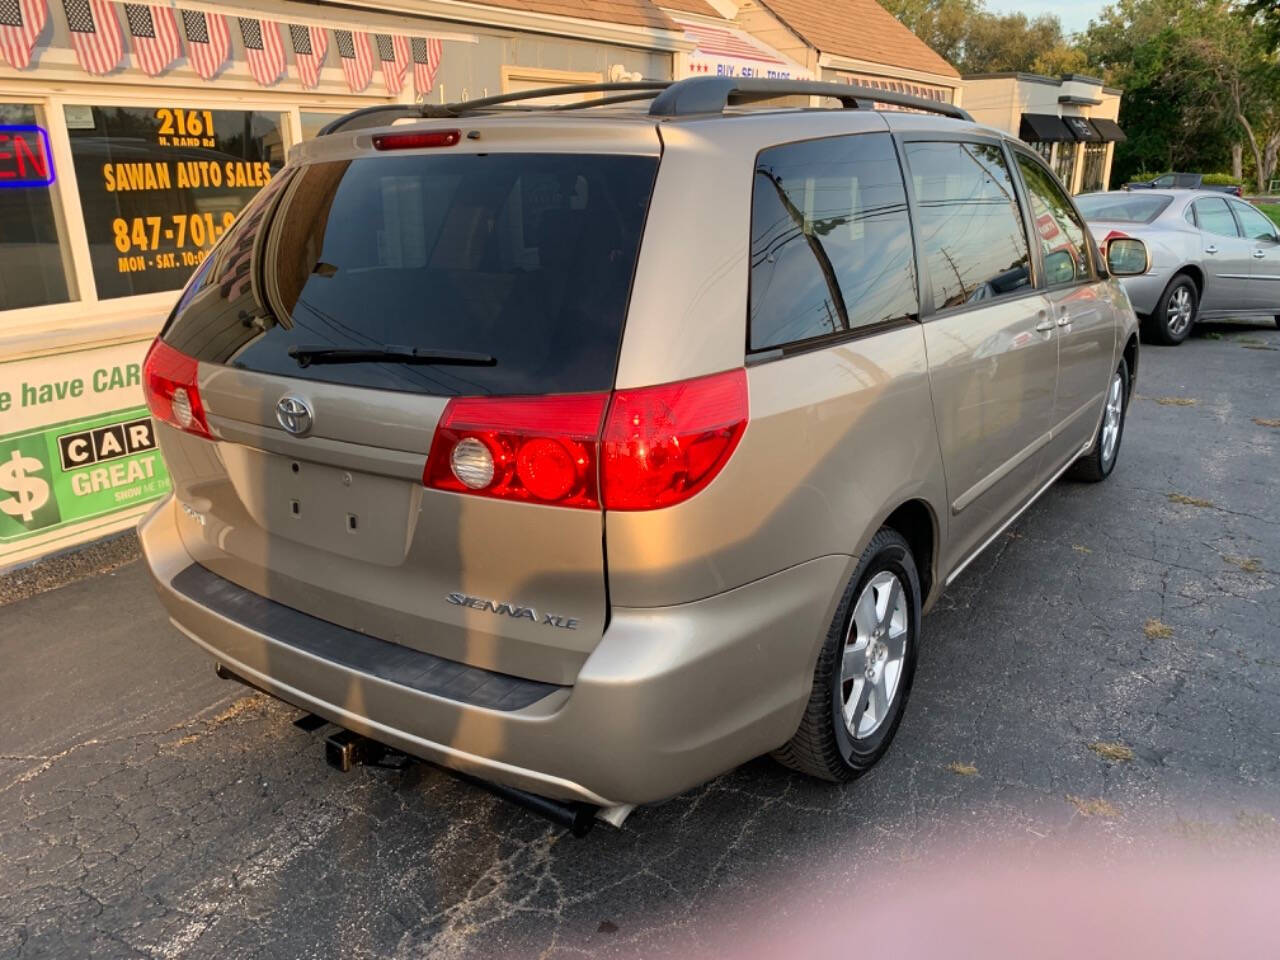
{"points": [[1106, 677]]}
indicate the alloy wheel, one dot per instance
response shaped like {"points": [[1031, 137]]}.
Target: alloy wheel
{"points": [[1179, 311], [1112, 415], [874, 653]]}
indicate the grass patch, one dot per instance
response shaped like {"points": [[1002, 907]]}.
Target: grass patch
{"points": [[1092, 806], [1264, 422], [1157, 629], [1213, 335], [1188, 501], [1272, 210], [1176, 401], [1247, 564], [1114, 751], [962, 769], [1080, 548]]}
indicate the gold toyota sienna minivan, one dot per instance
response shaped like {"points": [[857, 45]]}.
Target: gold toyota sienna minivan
{"points": [[596, 449]]}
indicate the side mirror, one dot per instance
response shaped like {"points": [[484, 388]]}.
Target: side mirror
{"points": [[1059, 267], [1127, 257]]}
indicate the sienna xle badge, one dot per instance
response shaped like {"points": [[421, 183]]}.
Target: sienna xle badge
{"points": [[596, 450]]}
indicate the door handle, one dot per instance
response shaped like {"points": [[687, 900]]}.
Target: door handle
{"points": [[1045, 325], [1064, 319], [1259, 254], [1211, 248]]}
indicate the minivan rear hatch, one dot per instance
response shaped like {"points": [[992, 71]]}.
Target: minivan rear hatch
{"points": [[362, 291]]}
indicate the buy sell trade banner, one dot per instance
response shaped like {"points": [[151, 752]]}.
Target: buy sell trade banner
{"points": [[76, 444]]}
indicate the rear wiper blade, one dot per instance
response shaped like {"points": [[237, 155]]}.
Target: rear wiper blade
{"points": [[391, 353]]}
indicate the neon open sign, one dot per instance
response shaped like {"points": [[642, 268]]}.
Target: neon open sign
{"points": [[25, 157]]}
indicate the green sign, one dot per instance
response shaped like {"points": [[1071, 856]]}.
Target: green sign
{"points": [[74, 471]]}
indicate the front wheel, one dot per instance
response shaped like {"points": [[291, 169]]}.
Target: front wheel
{"points": [[1175, 313], [865, 668], [1097, 464]]}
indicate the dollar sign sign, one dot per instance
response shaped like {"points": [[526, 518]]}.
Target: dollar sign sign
{"points": [[29, 493]]}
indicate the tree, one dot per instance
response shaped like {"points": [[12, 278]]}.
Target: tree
{"points": [[1241, 61], [1266, 17], [942, 24], [978, 41], [1172, 107]]}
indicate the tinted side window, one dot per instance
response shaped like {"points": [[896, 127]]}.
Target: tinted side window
{"points": [[969, 222], [830, 240], [1214, 216], [1255, 224], [1062, 238]]}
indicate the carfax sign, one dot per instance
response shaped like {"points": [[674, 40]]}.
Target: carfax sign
{"points": [[76, 444]]}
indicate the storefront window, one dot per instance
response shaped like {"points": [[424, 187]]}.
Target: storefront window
{"points": [[1095, 162], [1044, 148], [314, 120], [34, 268], [159, 185], [1064, 164]]}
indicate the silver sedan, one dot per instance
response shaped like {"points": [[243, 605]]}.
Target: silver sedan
{"points": [[1211, 256]]}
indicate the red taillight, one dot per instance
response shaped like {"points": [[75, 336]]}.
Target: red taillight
{"points": [[661, 445], [536, 449], [416, 140], [169, 384], [656, 447]]}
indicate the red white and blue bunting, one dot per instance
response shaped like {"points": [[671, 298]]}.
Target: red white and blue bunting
{"points": [[157, 38]]}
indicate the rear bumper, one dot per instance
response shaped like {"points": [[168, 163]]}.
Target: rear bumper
{"points": [[670, 697]]}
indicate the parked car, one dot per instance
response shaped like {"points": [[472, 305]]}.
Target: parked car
{"points": [[1211, 256], [597, 451], [1185, 181]]}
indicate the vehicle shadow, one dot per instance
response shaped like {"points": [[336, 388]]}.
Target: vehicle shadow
{"points": [[1216, 329]]}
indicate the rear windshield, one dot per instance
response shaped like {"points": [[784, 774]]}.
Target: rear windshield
{"points": [[1122, 208], [527, 259]]}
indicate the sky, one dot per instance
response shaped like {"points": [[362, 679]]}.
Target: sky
{"points": [[1074, 14]]}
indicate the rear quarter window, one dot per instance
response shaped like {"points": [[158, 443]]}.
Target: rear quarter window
{"points": [[527, 258], [831, 247]]}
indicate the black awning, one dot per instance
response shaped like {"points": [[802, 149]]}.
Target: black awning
{"points": [[1043, 128], [1109, 129], [1083, 130]]}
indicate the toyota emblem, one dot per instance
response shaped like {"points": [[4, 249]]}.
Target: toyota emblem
{"points": [[294, 415]]}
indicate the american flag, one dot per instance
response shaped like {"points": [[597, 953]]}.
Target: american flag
{"points": [[208, 41], [155, 37], [263, 49], [20, 24], [95, 34], [310, 44], [356, 56], [393, 54], [426, 61]]}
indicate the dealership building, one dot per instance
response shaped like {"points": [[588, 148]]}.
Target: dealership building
{"points": [[1069, 120], [131, 135]]}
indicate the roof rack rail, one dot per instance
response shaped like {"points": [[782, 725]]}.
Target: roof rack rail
{"points": [[712, 94], [387, 113], [682, 98]]}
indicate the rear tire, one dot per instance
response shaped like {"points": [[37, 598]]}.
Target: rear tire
{"points": [[1097, 464], [1175, 313], [868, 657]]}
